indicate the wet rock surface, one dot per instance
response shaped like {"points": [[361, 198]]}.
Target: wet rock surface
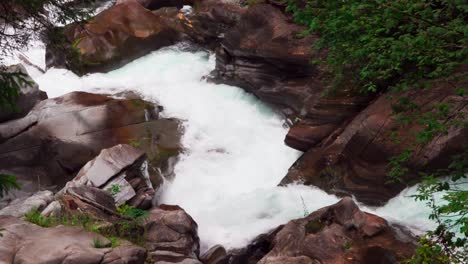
{"points": [[62, 134], [353, 160], [112, 38], [171, 236], [339, 233], [343, 132], [122, 171]]}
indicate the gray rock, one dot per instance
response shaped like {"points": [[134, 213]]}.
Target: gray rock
{"points": [[54, 208], [20, 207], [171, 236], [125, 192], [214, 255], [26, 243], [29, 95], [59, 136], [108, 164]]}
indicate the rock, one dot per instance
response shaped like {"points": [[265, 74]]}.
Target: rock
{"points": [[354, 159], [108, 164], [157, 4], [263, 54], [122, 171], [171, 236], [111, 39], [126, 254], [253, 252], [27, 243], [303, 137], [53, 209], [211, 20], [92, 201], [340, 233], [21, 206], [29, 95], [64, 133], [215, 255]]}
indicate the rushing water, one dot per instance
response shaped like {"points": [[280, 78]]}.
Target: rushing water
{"points": [[234, 152]]}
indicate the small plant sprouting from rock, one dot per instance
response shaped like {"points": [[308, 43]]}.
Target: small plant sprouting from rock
{"points": [[7, 183], [347, 245], [114, 189], [132, 212], [134, 143], [314, 226], [35, 217], [115, 242], [97, 243]]}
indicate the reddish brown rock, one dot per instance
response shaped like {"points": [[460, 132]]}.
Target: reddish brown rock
{"points": [[263, 54], [62, 134], [340, 233], [354, 160], [303, 137], [171, 236], [211, 20], [114, 37]]}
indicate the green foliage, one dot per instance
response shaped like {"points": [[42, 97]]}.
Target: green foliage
{"points": [[400, 45], [131, 230], [8, 183], [132, 212], [448, 242], [24, 20], [35, 217], [115, 241], [97, 243], [314, 226], [347, 245], [10, 84], [134, 143], [114, 189], [387, 43]]}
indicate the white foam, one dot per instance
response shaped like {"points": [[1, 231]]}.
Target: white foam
{"points": [[234, 151]]}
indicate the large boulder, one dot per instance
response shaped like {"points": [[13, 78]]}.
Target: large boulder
{"points": [[171, 236], [210, 21], [19, 207], [26, 243], [340, 233], [112, 38], [122, 171], [354, 160], [28, 96], [59, 136]]}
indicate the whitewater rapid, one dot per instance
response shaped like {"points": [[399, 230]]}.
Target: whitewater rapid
{"points": [[234, 155]]}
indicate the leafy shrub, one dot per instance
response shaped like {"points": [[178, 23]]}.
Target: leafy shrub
{"points": [[387, 43], [8, 183], [400, 45]]}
